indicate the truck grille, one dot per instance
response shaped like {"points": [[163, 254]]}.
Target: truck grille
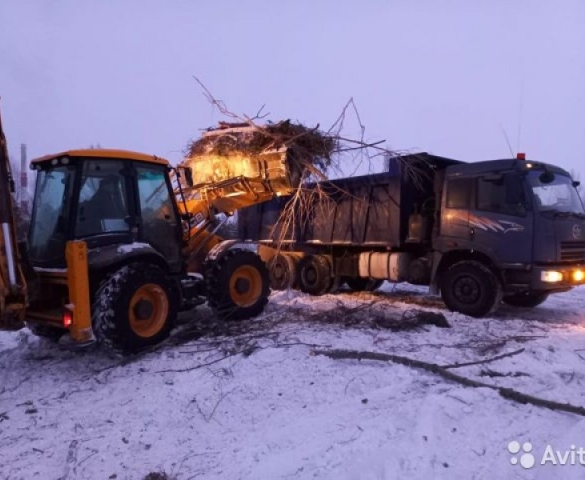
{"points": [[572, 251]]}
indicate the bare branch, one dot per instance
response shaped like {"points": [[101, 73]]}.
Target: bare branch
{"points": [[507, 393], [487, 360]]}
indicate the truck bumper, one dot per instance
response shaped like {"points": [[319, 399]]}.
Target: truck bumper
{"points": [[557, 277]]}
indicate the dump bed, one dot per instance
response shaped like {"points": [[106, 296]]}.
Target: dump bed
{"points": [[361, 210], [366, 210]]}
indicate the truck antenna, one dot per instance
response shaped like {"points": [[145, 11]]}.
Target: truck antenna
{"points": [[520, 112], [507, 140]]}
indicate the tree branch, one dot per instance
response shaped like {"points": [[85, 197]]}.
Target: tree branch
{"points": [[487, 360], [508, 393]]}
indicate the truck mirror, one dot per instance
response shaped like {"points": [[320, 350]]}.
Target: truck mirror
{"points": [[576, 183], [546, 177]]}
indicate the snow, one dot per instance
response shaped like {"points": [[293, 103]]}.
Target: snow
{"points": [[122, 249], [251, 400]]}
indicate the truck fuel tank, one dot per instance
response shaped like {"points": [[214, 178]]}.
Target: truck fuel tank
{"points": [[385, 265]]}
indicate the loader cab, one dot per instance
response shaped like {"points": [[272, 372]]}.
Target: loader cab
{"points": [[106, 198]]}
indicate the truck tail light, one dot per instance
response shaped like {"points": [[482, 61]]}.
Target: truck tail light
{"points": [[67, 317]]}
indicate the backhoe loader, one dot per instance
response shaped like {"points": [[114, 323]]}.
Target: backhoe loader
{"points": [[120, 241]]}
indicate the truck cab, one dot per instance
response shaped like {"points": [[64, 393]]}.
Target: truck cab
{"points": [[510, 229]]}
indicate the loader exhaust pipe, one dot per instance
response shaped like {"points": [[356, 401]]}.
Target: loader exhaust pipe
{"points": [[9, 255]]}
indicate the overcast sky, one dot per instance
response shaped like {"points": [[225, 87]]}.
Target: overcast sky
{"points": [[446, 77]]}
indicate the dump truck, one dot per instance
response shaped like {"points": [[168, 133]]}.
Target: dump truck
{"points": [[477, 233], [120, 241]]}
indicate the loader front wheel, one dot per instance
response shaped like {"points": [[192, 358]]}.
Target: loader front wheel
{"points": [[237, 285], [134, 308]]}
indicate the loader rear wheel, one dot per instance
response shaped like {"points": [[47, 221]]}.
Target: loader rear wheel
{"points": [[283, 271], [134, 308], [237, 285], [315, 275], [363, 284], [526, 299], [471, 288]]}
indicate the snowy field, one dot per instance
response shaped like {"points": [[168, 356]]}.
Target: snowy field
{"points": [[254, 401]]}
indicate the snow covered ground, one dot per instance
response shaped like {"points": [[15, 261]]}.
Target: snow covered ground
{"points": [[251, 401]]}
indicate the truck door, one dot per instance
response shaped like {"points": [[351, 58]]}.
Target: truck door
{"points": [[500, 220], [454, 227]]}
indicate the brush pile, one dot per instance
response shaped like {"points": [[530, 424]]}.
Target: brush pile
{"points": [[308, 150]]}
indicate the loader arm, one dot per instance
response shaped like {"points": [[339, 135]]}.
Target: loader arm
{"points": [[13, 287]]}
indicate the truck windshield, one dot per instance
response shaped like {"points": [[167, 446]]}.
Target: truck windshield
{"points": [[559, 195], [49, 223]]}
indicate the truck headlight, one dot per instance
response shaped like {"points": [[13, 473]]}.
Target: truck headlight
{"points": [[578, 275], [551, 276]]}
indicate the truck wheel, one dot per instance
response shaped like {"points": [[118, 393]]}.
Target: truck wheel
{"points": [[526, 299], [237, 285], [134, 308], [283, 271], [471, 288], [363, 284], [315, 274]]}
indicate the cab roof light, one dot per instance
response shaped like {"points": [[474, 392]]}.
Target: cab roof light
{"points": [[520, 156]]}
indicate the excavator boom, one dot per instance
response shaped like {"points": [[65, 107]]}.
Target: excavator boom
{"points": [[13, 292]]}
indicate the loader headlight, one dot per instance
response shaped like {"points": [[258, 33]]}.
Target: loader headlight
{"points": [[578, 275], [551, 276]]}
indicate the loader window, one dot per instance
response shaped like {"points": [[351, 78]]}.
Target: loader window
{"points": [[155, 200], [159, 220], [102, 199], [49, 224]]}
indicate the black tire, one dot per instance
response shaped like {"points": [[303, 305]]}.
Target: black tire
{"points": [[315, 275], [238, 285], [134, 308], [45, 331], [363, 284], [526, 299], [283, 271], [471, 288]]}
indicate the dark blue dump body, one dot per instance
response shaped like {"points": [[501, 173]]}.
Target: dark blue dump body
{"points": [[368, 210]]}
